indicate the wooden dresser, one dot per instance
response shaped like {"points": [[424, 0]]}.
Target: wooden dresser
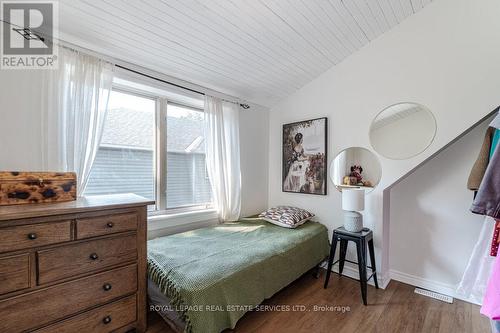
{"points": [[76, 266]]}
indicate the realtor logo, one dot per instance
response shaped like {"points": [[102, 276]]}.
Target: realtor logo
{"points": [[28, 31]]}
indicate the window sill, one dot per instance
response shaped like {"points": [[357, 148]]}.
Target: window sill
{"points": [[160, 222]]}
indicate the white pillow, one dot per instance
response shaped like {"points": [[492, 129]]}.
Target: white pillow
{"points": [[286, 216]]}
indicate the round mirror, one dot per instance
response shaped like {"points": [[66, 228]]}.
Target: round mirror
{"points": [[355, 167], [402, 130]]}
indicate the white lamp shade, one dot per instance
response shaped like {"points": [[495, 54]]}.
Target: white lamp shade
{"points": [[353, 199]]}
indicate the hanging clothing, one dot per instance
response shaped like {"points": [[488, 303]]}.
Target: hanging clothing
{"points": [[496, 121], [494, 141], [487, 200], [491, 302], [496, 239], [478, 270], [481, 164]]}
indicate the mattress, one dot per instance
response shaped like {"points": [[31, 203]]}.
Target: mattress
{"points": [[213, 276]]}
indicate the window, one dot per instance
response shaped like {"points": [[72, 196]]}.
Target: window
{"points": [[153, 147], [187, 181], [125, 160]]}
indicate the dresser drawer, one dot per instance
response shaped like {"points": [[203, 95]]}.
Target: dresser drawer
{"points": [[33, 235], [41, 307], [106, 318], [14, 273], [104, 225], [66, 261]]}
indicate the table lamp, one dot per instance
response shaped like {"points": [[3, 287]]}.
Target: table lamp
{"points": [[353, 201]]}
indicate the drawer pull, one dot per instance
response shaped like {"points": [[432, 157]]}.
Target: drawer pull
{"points": [[106, 320], [110, 224], [32, 236], [106, 287], [94, 256]]}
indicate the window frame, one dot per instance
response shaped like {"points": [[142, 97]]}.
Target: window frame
{"points": [[185, 208], [160, 149], [142, 94]]}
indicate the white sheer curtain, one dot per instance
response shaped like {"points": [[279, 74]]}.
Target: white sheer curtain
{"points": [[222, 142], [77, 100], [476, 275]]}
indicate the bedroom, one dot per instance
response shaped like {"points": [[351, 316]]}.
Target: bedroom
{"points": [[140, 141]]}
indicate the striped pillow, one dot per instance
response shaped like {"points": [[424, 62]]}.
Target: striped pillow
{"points": [[286, 216]]}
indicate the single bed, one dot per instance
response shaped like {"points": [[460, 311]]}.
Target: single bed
{"points": [[205, 280]]}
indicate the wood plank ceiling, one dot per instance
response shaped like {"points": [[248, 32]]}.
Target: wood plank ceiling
{"points": [[258, 50]]}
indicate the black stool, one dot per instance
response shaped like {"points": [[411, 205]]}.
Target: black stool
{"points": [[361, 239]]}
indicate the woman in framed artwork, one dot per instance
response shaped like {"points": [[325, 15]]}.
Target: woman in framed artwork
{"points": [[297, 166]]}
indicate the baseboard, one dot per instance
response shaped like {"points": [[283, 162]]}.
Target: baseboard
{"points": [[352, 272], [436, 286]]}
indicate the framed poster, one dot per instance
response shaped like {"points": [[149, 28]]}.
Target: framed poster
{"points": [[305, 156]]}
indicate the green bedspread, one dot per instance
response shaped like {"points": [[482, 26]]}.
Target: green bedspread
{"points": [[214, 275]]}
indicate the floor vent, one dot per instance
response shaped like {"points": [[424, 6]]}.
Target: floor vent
{"points": [[435, 295]]}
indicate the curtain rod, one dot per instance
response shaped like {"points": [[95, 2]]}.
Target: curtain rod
{"points": [[243, 105], [158, 79]]}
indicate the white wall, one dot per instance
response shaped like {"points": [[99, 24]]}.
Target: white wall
{"points": [[254, 143], [432, 238], [21, 95], [20, 119], [444, 57]]}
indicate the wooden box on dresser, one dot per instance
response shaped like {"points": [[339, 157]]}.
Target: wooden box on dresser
{"points": [[76, 266]]}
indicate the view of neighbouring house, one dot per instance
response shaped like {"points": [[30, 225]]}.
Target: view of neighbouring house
{"points": [[124, 162]]}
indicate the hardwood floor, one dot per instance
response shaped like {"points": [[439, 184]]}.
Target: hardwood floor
{"points": [[396, 309]]}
